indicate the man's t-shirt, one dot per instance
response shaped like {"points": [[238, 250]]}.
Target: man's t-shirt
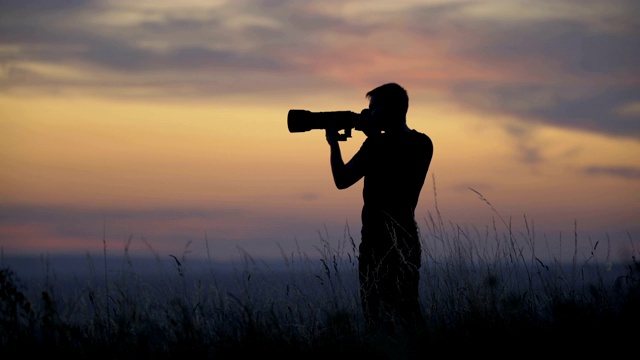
{"points": [[395, 167]]}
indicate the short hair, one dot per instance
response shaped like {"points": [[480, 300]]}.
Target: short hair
{"points": [[392, 95]]}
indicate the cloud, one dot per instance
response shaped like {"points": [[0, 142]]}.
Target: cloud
{"points": [[562, 64], [308, 196], [573, 69], [164, 50], [37, 229], [75, 222], [50, 7], [527, 149], [594, 109], [625, 172]]}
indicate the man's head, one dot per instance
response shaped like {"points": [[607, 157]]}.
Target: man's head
{"points": [[389, 103]]}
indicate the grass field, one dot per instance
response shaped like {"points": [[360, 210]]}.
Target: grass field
{"points": [[483, 293]]}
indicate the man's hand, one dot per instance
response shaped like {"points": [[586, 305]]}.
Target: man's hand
{"points": [[332, 136], [370, 126]]}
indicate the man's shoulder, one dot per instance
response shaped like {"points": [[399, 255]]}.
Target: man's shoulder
{"points": [[422, 138], [415, 132]]}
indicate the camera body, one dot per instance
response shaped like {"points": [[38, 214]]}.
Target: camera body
{"points": [[305, 120]]}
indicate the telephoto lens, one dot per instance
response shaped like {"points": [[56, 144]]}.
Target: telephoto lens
{"points": [[305, 120]]}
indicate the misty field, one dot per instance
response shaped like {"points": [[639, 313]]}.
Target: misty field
{"points": [[483, 292]]}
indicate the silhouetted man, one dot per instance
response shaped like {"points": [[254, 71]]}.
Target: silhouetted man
{"points": [[394, 161]]}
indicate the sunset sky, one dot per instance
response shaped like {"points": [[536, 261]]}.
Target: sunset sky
{"points": [[164, 122]]}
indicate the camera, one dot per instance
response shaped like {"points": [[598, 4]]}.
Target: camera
{"points": [[305, 120]]}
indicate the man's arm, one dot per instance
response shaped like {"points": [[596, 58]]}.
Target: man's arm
{"points": [[344, 175]]}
